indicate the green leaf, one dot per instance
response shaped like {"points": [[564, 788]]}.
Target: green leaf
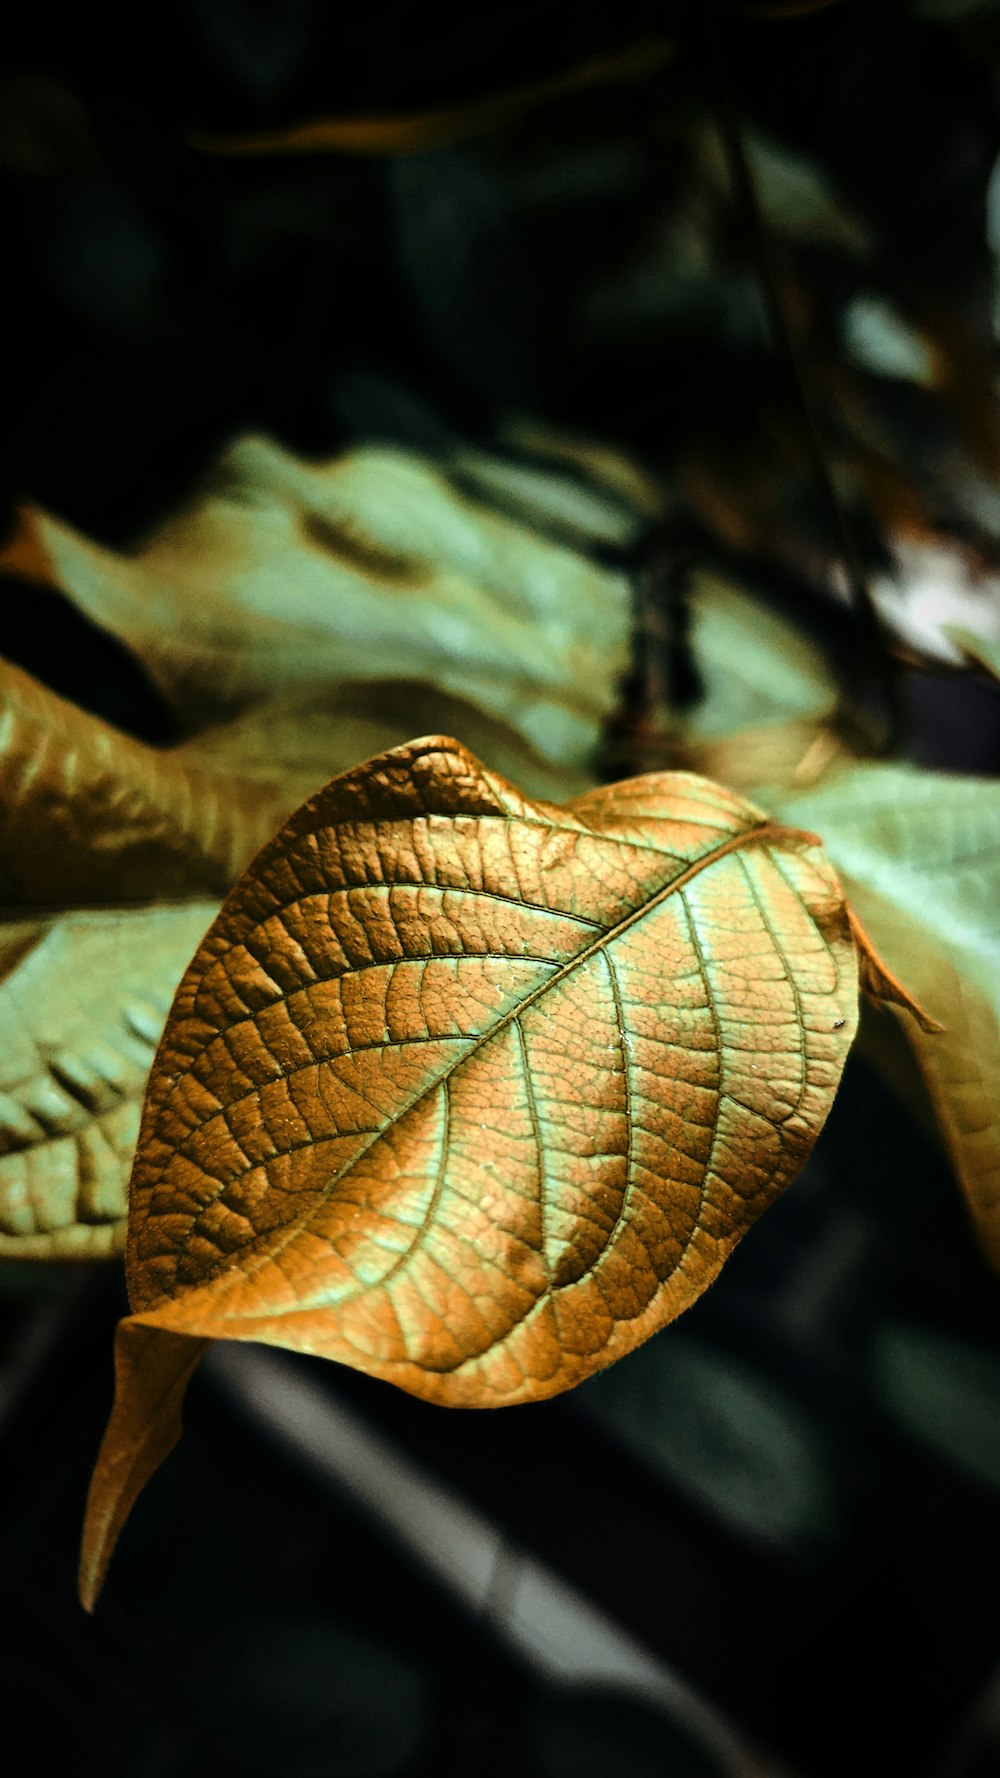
{"points": [[798, 199], [83, 999], [880, 340], [755, 667], [297, 743], [919, 855], [287, 576]]}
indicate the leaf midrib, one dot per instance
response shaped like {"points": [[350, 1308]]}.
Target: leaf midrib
{"points": [[756, 835]]}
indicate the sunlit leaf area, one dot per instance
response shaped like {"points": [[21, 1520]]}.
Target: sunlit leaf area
{"points": [[500, 890]]}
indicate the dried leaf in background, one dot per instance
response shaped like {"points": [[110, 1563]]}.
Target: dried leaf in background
{"points": [[89, 815], [474, 1093]]}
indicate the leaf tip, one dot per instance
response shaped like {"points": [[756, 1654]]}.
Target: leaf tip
{"points": [[152, 1372], [879, 983]]}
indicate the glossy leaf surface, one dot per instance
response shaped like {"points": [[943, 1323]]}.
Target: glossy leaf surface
{"points": [[475, 1093]]}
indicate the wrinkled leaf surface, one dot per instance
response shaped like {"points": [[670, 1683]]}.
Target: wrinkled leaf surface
{"points": [[475, 1093]]}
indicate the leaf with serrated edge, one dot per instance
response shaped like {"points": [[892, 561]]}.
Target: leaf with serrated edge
{"points": [[83, 998], [475, 1093]]}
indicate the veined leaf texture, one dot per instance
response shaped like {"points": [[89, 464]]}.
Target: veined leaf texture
{"points": [[83, 998], [475, 1093]]}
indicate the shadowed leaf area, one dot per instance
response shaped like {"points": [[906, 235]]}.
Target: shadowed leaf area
{"points": [[475, 1093]]}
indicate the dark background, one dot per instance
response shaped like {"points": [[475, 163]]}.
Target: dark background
{"points": [[823, 1561]]}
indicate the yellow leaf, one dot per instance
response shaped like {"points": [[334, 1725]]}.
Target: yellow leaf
{"points": [[475, 1093]]}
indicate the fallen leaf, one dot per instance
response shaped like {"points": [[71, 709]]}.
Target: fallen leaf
{"points": [[288, 576], [418, 132], [919, 855], [83, 998], [474, 1093]]}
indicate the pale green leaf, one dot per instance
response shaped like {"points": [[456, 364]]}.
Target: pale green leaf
{"points": [[83, 999], [755, 667], [286, 576], [298, 743], [880, 340], [919, 856]]}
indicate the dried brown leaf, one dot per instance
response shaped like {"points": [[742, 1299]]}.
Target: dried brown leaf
{"points": [[475, 1093]]}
